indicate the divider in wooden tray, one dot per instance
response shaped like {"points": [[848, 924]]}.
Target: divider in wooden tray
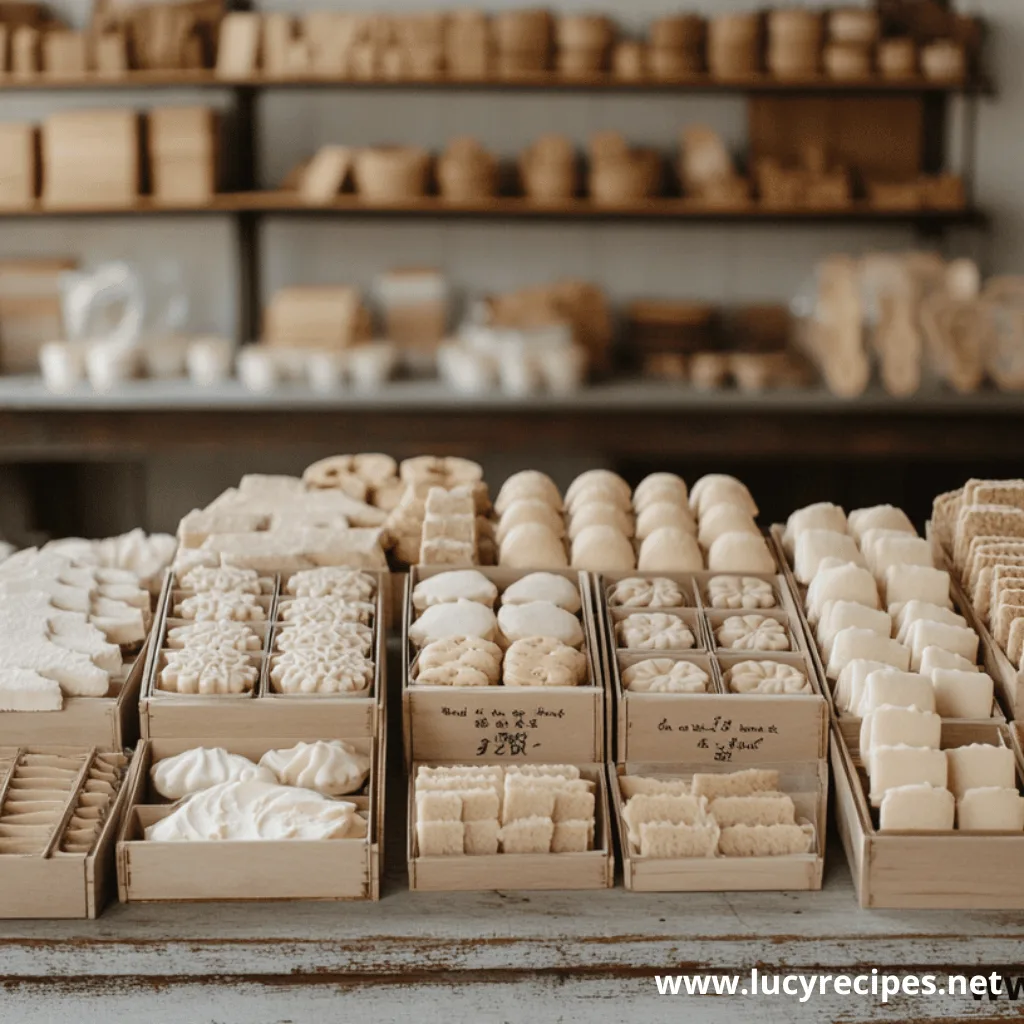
{"points": [[495, 723], [805, 781], [59, 811], [262, 710], [718, 726], [928, 870], [326, 869], [594, 869]]}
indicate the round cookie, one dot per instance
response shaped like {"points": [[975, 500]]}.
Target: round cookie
{"points": [[544, 586], [347, 636], [457, 585], [332, 581], [529, 485], [202, 580], [664, 513], [600, 513], [529, 510], [539, 618], [532, 546], [766, 677], [336, 473], [655, 631], [721, 519], [718, 487], [599, 476], [597, 492], [603, 548], [637, 592], [544, 661], [302, 610], [670, 549], [459, 661], [219, 606], [734, 592], [740, 552], [455, 618], [662, 675], [752, 633], [659, 487]]}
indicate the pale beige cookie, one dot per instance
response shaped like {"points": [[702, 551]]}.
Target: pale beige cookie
{"points": [[214, 635], [321, 671], [603, 548], [218, 606], [544, 661], [655, 631], [529, 485], [670, 549], [604, 477], [766, 677], [662, 513], [597, 493], [197, 670], [740, 552], [529, 510], [718, 487], [443, 551], [532, 546], [459, 661], [458, 585], [822, 515], [539, 618], [662, 675], [544, 586], [600, 513], [336, 473], [659, 487], [752, 633], [332, 581], [654, 592], [302, 610], [457, 618], [202, 580], [717, 520], [443, 471], [347, 636], [457, 501], [734, 592]]}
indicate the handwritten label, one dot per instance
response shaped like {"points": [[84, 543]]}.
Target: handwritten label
{"points": [[723, 736]]}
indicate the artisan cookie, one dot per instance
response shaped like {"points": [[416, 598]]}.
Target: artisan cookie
{"points": [[597, 493], [544, 586], [766, 677], [301, 610], [602, 548], [656, 592], [336, 473], [752, 633], [655, 631], [670, 549], [443, 551], [530, 510], [544, 661], [662, 675], [539, 618], [740, 552], [318, 671], [332, 581], [198, 670], [331, 767], [606, 478], [442, 471], [532, 546], [214, 635], [529, 485], [662, 513], [201, 580], [458, 585], [814, 545], [659, 487], [735, 592], [455, 618], [600, 513], [879, 517], [821, 516], [346, 636], [458, 501], [718, 487], [724, 518], [459, 661], [219, 606]]}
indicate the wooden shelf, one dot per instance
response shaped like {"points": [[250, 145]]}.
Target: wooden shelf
{"points": [[540, 81]]}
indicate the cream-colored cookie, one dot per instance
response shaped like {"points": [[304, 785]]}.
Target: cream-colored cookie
{"points": [[637, 592], [734, 592], [879, 517], [752, 633], [532, 546], [602, 548], [670, 549], [717, 520], [814, 545], [740, 552], [458, 585], [336, 473], [317, 671], [324, 609], [214, 635], [529, 485], [453, 618], [663, 513], [332, 581], [459, 661], [443, 502], [766, 677], [202, 580], [544, 586], [529, 510], [218, 606], [718, 487], [198, 670], [348, 636], [662, 675], [443, 471], [822, 515], [544, 661], [539, 618], [655, 631], [599, 513], [597, 493], [604, 477], [659, 487]]}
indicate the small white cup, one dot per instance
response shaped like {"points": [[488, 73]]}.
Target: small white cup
{"points": [[257, 370], [372, 365], [62, 366], [325, 371], [563, 368], [109, 365], [208, 361], [518, 372]]}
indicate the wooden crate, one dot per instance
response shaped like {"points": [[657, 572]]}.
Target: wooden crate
{"points": [[543, 724], [717, 727], [927, 870], [517, 871], [58, 884], [330, 869], [806, 782], [182, 147], [19, 164], [91, 158], [262, 712]]}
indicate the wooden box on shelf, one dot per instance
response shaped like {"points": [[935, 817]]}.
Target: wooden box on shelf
{"points": [[65, 54], [325, 869], [498, 723], [182, 144], [19, 164]]}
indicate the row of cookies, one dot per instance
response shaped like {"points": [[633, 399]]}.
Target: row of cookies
{"points": [[533, 638], [882, 615], [677, 674]]}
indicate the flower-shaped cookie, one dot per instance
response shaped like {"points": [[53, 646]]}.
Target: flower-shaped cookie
{"points": [[662, 675], [656, 592], [734, 592], [303, 610], [655, 631], [217, 605], [752, 633], [319, 671], [235, 636], [226, 578], [766, 677], [459, 661], [197, 670], [348, 636], [332, 581], [544, 661]]}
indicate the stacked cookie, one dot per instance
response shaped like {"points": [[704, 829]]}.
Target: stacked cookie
{"points": [[323, 640], [726, 530], [741, 814], [487, 809], [883, 615], [95, 798], [535, 639]]}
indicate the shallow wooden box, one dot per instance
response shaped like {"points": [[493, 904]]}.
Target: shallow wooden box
{"points": [[63, 885], [806, 782], [263, 712], [927, 870], [521, 723], [517, 871], [717, 727], [329, 869]]}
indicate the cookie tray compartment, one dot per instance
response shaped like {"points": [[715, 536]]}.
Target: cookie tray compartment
{"points": [[330, 869], [594, 869], [522, 723], [806, 782]]}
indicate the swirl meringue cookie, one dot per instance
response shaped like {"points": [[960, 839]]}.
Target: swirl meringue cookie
{"points": [[333, 768], [655, 631], [663, 675], [771, 677], [735, 592], [655, 592], [752, 633], [544, 661], [200, 768]]}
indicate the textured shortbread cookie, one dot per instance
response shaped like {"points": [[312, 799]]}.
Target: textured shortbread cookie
{"points": [[310, 671], [919, 807], [663, 840], [879, 517], [603, 477], [821, 516], [600, 548], [544, 586], [218, 606], [527, 835], [442, 551], [752, 633], [655, 631], [200, 768], [740, 551], [814, 545], [772, 677], [224, 578], [529, 485], [303, 610], [715, 488], [658, 487], [544, 661], [333, 768], [332, 581], [742, 783], [214, 635], [990, 809], [459, 661], [664, 513], [766, 840], [654, 592], [670, 549], [662, 675], [735, 592], [455, 618], [440, 838], [344, 636], [762, 809], [457, 585], [539, 618], [674, 808], [721, 519], [530, 511], [197, 670], [532, 546], [600, 513]]}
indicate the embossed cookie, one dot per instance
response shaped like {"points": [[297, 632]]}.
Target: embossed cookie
{"points": [[544, 661], [459, 661], [225, 578], [766, 677], [734, 592], [655, 631], [655, 592], [303, 610], [332, 581], [214, 635], [752, 633], [544, 586], [196, 670], [539, 618], [455, 618], [219, 606], [311, 671], [662, 675], [346, 636]]}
